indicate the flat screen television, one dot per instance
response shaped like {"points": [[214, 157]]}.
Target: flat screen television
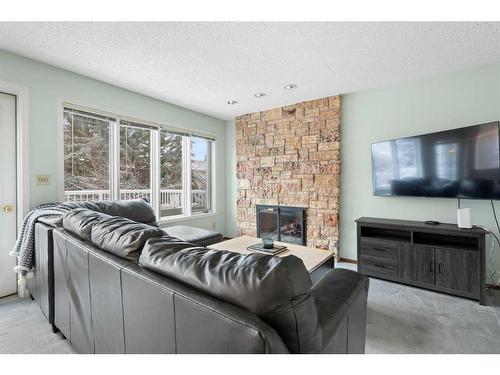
{"points": [[457, 163]]}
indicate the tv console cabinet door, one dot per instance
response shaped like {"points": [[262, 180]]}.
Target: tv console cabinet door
{"points": [[458, 271], [417, 265]]}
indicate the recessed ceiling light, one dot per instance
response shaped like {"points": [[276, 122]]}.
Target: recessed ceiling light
{"points": [[232, 102], [290, 86], [260, 95]]}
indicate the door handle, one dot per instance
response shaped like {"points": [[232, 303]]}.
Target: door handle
{"points": [[433, 267], [440, 268], [8, 208]]}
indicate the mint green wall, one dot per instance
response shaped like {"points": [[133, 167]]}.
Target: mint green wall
{"points": [[47, 85], [455, 100], [231, 190]]}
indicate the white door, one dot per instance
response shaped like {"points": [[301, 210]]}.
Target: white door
{"points": [[8, 226]]}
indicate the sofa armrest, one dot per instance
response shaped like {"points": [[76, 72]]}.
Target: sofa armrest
{"points": [[341, 300], [54, 221], [203, 324]]}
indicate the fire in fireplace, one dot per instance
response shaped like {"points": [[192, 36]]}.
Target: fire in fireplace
{"points": [[282, 223]]}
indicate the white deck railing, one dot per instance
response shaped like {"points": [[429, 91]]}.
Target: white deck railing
{"points": [[168, 198]]}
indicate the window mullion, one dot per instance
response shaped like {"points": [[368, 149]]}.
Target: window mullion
{"points": [[210, 177], [186, 172], [155, 172], [115, 160]]}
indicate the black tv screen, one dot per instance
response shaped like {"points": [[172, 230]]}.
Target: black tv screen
{"points": [[457, 163]]}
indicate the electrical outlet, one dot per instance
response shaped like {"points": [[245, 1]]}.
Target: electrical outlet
{"points": [[43, 179], [213, 225]]}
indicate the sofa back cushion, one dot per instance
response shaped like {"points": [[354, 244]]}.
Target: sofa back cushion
{"points": [[80, 221], [277, 289], [116, 235], [138, 210], [166, 245], [122, 237]]}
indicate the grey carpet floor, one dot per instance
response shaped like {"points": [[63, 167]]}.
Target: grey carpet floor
{"points": [[24, 329], [401, 319]]}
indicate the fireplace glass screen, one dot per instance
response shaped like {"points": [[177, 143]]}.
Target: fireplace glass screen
{"points": [[269, 224], [281, 223]]}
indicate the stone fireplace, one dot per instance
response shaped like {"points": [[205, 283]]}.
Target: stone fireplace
{"points": [[290, 156]]}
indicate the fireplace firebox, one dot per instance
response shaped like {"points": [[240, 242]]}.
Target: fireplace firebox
{"points": [[282, 223]]}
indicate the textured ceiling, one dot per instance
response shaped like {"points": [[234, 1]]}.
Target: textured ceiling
{"points": [[203, 65]]}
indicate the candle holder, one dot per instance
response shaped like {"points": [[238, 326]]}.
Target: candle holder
{"points": [[267, 243]]}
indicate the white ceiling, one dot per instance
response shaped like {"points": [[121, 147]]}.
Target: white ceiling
{"points": [[201, 66]]}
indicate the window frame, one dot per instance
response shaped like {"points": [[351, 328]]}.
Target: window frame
{"points": [[155, 160], [210, 167], [152, 164], [97, 115]]}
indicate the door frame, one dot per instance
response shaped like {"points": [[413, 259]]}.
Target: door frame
{"points": [[22, 147]]}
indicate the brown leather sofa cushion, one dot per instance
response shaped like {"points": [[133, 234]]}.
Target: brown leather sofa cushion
{"points": [[278, 289]]}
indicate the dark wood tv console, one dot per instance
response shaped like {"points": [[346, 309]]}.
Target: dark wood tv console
{"points": [[440, 257]]}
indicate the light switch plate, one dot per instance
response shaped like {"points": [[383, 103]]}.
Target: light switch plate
{"points": [[43, 179]]}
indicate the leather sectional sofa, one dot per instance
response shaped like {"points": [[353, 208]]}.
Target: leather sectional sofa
{"points": [[121, 286], [41, 285]]}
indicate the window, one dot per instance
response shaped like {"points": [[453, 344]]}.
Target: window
{"points": [[135, 161], [172, 174], [86, 156], [200, 174], [108, 157]]}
